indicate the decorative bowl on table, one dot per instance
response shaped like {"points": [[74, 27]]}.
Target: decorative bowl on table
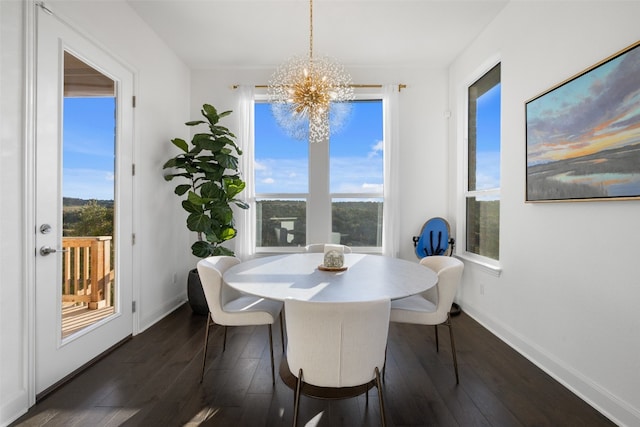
{"points": [[333, 261]]}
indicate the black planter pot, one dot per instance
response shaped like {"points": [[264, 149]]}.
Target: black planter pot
{"points": [[197, 300]]}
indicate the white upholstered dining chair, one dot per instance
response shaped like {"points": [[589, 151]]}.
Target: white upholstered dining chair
{"points": [[319, 247], [336, 349], [229, 307], [423, 310]]}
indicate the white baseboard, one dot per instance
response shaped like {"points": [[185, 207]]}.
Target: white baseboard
{"points": [[14, 407], [160, 314], [617, 410]]}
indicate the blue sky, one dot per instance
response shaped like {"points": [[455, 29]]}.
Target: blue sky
{"points": [[89, 152], [488, 139], [281, 162], [355, 152]]}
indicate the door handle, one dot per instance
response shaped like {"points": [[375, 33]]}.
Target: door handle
{"points": [[46, 250]]}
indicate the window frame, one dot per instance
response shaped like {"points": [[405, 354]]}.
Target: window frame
{"points": [[325, 200], [491, 265]]}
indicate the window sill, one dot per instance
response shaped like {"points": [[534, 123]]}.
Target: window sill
{"points": [[489, 266]]}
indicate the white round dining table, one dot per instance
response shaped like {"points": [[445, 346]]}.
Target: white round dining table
{"points": [[366, 277]]}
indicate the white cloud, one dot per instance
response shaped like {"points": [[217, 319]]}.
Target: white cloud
{"points": [[376, 149], [348, 174], [289, 174], [375, 188], [88, 184], [488, 170]]}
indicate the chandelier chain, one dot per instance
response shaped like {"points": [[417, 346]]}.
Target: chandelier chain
{"points": [[310, 30]]}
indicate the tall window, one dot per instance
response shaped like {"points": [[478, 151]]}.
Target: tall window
{"points": [[322, 192], [483, 168]]}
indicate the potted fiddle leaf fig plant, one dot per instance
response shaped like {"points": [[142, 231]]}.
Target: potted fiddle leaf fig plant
{"points": [[211, 182]]}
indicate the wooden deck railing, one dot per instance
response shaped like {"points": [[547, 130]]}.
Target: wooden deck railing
{"points": [[86, 269]]}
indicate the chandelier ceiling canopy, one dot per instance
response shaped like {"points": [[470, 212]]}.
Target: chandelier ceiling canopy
{"points": [[309, 94]]}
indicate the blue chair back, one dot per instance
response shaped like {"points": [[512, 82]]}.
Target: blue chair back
{"points": [[434, 238]]}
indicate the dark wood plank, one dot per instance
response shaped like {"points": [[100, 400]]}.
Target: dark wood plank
{"points": [[153, 379]]}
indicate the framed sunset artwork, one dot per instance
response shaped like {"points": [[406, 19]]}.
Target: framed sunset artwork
{"points": [[583, 135]]}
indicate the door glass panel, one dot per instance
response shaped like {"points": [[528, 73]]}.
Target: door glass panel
{"points": [[88, 188]]}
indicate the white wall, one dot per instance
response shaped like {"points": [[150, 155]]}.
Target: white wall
{"points": [[13, 366], [162, 243], [567, 297], [423, 127]]}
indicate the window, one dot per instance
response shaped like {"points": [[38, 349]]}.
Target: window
{"points": [[482, 196], [322, 192]]}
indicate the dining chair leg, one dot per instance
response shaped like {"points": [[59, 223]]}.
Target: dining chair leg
{"points": [[206, 341], [273, 375], [437, 344], [282, 331], [453, 348], [224, 340], [384, 365], [383, 418], [296, 398]]}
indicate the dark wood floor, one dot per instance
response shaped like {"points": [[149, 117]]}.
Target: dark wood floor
{"points": [[152, 380]]}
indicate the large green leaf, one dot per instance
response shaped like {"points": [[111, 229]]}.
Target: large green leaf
{"points": [[195, 198], [181, 144], [202, 249], [226, 140], [210, 113], [228, 161], [233, 186], [192, 207], [219, 130], [170, 163], [198, 222], [182, 188], [221, 250], [169, 177], [240, 204], [221, 211], [208, 167], [213, 145], [211, 190], [205, 249], [228, 233], [199, 139]]}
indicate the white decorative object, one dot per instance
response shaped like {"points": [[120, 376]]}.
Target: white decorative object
{"points": [[333, 256]]}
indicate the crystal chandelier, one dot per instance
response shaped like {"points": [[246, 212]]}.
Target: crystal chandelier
{"points": [[308, 95]]}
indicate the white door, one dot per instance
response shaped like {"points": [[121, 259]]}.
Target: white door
{"points": [[83, 202]]}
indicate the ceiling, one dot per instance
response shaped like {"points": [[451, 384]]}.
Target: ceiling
{"points": [[358, 33]]}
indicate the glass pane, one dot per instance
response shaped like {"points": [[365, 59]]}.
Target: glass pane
{"points": [[281, 162], [357, 223], [281, 223], [88, 182], [483, 226], [484, 132], [356, 152]]}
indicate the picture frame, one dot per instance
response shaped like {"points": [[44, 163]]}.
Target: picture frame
{"points": [[583, 135]]}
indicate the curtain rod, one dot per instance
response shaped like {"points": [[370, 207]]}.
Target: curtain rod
{"points": [[400, 86]]}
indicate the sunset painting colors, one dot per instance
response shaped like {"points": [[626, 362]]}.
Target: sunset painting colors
{"points": [[583, 137]]}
